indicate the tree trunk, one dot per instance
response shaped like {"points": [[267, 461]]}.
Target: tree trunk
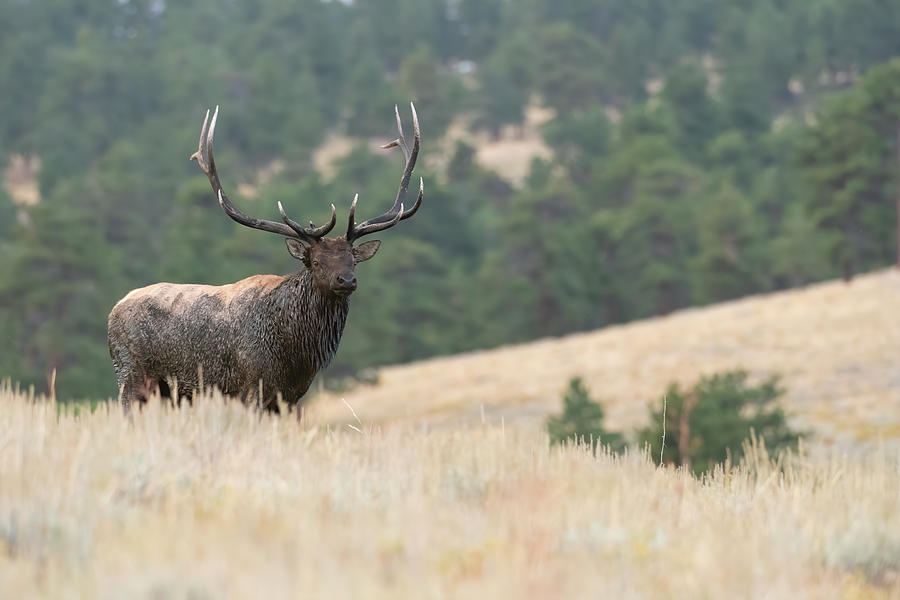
{"points": [[848, 267], [684, 430]]}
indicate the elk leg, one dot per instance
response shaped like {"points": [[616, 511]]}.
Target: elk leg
{"points": [[268, 403], [133, 390], [165, 392]]}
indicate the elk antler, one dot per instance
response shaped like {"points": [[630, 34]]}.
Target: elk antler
{"points": [[396, 213], [289, 228]]}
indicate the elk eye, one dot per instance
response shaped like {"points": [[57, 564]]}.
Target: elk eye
{"points": [[315, 263]]}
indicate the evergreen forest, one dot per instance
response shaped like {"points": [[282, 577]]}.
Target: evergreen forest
{"points": [[702, 150]]}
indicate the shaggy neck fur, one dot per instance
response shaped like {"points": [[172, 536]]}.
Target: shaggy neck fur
{"points": [[310, 322]]}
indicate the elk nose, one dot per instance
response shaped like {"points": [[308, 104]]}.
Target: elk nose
{"points": [[347, 281]]}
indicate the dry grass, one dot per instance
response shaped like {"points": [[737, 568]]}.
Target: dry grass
{"points": [[836, 345], [214, 502], [20, 179], [333, 149], [510, 154]]}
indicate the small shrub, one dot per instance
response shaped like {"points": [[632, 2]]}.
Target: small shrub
{"points": [[710, 422], [581, 420]]}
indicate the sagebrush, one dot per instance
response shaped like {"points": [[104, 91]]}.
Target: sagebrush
{"points": [[219, 501]]}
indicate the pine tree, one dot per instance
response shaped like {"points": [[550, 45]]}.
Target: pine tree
{"points": [[850, 160], [581, 420], [726, 264], [506, 79], [569, 71], [653, 191], [695, 114], [710, 422], [56, 286], [368, 96]]}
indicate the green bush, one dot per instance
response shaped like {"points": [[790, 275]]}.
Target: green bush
{"points": [[581, 420], [710, 422]]}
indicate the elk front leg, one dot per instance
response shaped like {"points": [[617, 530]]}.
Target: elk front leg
{"points": [[134, 389]]}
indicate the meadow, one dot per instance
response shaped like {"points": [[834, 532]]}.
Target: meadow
{"points": [[216, 501]]}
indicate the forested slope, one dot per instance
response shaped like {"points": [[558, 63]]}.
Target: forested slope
{"points": [[701, 151]]}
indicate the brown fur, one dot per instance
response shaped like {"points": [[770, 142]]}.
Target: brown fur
{"points": [[266, 332], [178, 297]]}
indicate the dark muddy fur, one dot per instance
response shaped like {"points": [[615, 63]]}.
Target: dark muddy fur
{"points": [[265, 331]]}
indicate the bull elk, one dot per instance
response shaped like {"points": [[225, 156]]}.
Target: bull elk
{"points": [[264, 335]]}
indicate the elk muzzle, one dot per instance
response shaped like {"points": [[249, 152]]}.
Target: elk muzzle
{"points": [[344, 284]]}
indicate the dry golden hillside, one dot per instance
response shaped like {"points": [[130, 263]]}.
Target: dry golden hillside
{"points": [[836, 346], [217, 501]]}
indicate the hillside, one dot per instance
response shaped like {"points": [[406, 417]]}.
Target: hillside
{"points": [[216, 502], [835, 344]]}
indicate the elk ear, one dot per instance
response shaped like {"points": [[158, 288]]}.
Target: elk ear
{"points": [[366, 250], [297, 250]]}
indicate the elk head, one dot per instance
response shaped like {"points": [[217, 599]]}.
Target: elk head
{"points": [[331, 261]]}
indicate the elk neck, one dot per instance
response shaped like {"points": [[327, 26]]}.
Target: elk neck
{"points": [[309, 323]]}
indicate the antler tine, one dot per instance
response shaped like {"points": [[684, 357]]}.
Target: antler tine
{"points": [[396, 213], [208, 166], [211, 171], [318, 232], [369, 227], [351, 222], [418, 203], [405, 214], [399, 122], [410, 155], [400, 141], [407, 155], [312, 232], [198, 155]]}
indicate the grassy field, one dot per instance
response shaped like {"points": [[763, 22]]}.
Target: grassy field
{"points": [[215, 502], [836, 346], [445, 487]]}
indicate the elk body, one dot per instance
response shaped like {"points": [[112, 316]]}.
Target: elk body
{"points": [[264, 335]]}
